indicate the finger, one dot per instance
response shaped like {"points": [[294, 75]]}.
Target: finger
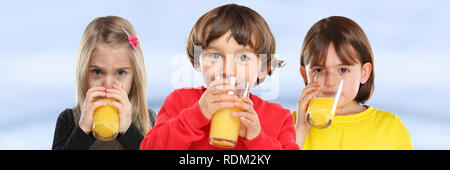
{"points": [[247, 100], [308, 91], [248, 115], [120, 88], [121, 93], [93, 95], [310, 86], [114, 91], [95, 105], [304, 104], [96, 88], [223, 98], [247, 122], [117, 105], [235, 114], [221, 105], [245, 106], [115, 97]]}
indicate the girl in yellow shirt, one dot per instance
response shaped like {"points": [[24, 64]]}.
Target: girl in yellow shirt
{"points": [[337, 48]]}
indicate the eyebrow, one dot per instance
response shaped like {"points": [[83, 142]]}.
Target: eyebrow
{"points": [[336, 65], [119, 68], [240, 50]]}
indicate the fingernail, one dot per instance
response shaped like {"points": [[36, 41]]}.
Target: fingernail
{"points": [[234, 114]]}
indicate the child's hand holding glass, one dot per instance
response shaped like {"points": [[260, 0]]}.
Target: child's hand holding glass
{"points": [[250, 125], [303, 127], [216, 97]]}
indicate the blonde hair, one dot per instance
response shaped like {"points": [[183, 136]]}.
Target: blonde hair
{"points": [[111, 30]]}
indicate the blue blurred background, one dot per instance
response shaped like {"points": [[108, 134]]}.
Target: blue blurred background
{"points": [[410, 40]]}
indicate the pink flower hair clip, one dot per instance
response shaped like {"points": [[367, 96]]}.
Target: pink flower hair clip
{"points": [[131, 39]]}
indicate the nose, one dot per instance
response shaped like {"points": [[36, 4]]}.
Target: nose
{"points": [[108, 82], [331, 79], [229, 67]]}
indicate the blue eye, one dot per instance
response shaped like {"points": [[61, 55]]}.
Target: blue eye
{"points": [[215, 56], [96, 72], [121, 72], [243, 58]]}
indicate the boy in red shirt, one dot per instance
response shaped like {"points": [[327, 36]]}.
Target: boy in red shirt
{"points": [[225, 42]]}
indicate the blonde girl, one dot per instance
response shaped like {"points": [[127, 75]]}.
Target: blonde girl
{"points": [[110, 64]]}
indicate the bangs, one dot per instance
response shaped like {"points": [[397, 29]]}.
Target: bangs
{"points": [[315, 53], [246, 27], [350, 42]]}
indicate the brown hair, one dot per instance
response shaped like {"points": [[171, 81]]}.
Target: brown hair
{"points": [[350, 42], [111, 30], [244, 24]]}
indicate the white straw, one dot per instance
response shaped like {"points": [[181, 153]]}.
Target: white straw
{"points": [[338, 95], [246, 89]]}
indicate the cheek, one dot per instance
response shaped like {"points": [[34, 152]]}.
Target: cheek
{"points": [[349, 90], [90, 82], [251, 73], [93, 81], [210, 72], [127, 82]]}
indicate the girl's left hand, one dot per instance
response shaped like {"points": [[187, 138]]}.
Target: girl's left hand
{"points": [[250, 126], [123, 105]]}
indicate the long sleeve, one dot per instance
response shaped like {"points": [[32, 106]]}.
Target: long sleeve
{"points": [[285, 141], [68, 135], [176, 127], [131, 139]]}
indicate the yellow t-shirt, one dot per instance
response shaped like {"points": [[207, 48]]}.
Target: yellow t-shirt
{"points": [[372, 129]]}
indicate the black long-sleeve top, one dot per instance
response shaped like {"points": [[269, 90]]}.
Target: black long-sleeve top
{"points": [[69, 136]]}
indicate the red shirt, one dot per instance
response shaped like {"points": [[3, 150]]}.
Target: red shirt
{"points": [[180, 125]]}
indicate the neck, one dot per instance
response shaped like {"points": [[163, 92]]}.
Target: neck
{"points": [[349, 109]]}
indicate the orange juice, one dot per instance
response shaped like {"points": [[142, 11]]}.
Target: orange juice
{"points": [[294, 115], [320, 112], [224, 130], [105, 123]]}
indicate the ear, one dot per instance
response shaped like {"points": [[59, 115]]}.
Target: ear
{"points": [[366, 71], [303, 73], [197, 66], [262, 74]]}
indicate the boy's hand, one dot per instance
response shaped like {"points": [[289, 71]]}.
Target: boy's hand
{"points": [[215, 98], [302, 129], [250, 126]]}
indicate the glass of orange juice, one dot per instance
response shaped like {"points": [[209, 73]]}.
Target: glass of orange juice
{"points": [[105, 123], [322, 107], [224, 129]]}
